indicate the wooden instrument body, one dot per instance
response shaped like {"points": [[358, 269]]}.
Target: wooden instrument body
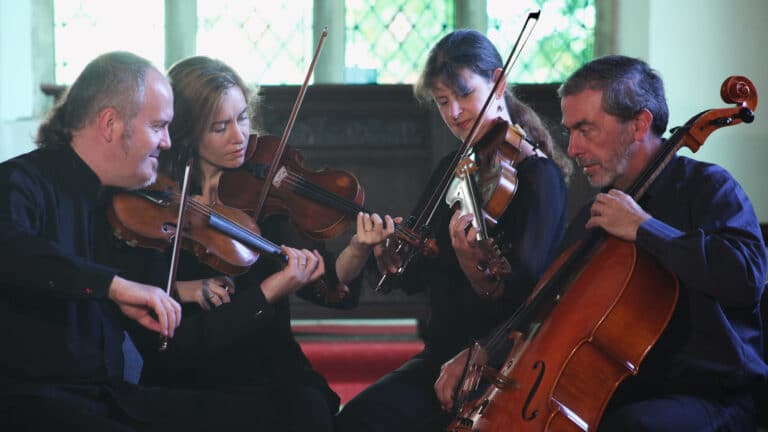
{"points": [[566, 365], [322, 203]]}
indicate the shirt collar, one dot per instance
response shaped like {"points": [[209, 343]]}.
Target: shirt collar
{"points": [[72, 170]]}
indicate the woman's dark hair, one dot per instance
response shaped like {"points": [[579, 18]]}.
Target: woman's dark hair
{"points": [[471, 50], [113, 80]]}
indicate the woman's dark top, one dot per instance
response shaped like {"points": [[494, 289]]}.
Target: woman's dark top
{"points": [[530, 229], [245, 345]]}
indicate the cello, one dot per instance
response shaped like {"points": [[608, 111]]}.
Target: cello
{"points": [[585, 328]]}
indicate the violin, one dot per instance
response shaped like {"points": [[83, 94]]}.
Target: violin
{"points": [[273, 180], [585, 328], [224, 238], [321, 203]]}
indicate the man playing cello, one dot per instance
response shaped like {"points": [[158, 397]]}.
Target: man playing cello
{"points": [[696, 221]]}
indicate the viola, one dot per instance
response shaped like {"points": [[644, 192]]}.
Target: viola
{"points": [[224, 238], [498, 151], [586, 326], [485, 184]]}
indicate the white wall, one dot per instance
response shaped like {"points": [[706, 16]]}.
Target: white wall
{"points": [[18, 86], [695, 45]]}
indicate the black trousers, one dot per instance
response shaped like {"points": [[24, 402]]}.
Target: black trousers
{"points": [[135, 408], [681, 412], [403, 400]]}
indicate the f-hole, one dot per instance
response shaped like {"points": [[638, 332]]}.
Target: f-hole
{"points": [[528, 417]]}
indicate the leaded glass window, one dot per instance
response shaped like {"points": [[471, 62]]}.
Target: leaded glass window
{"points": [[267, 42], [387, 41], [85, 29], [561, 42], [271, 42]]}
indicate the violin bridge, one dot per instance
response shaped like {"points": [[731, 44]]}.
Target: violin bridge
{"points": [[466, 167], [281, 174]]}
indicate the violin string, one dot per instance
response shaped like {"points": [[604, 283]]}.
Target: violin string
{"points": [[299, 181], [206, 210], [321, 194], [324, 196]]}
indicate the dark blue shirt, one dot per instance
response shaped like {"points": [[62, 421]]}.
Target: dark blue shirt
{"points": [[703, 229], [57, 325]]}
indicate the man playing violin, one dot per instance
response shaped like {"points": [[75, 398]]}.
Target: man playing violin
{"points": [[696, 220], [62, 314]]}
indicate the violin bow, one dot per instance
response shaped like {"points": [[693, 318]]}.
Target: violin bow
{"points": [[177, 242], [289, 126]]}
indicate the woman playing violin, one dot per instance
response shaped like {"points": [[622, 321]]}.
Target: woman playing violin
{"points": [[236, 335], [465, 303]]}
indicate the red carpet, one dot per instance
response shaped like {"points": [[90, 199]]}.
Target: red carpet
{"points": [[351, 366], [352, 357]]}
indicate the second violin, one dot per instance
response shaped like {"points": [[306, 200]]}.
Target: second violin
{"points": [[322, 203]]}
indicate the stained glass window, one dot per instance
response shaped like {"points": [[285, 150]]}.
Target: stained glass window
{"points": [[561, 41], [387, 40], [267, 42], [85, 29]]}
